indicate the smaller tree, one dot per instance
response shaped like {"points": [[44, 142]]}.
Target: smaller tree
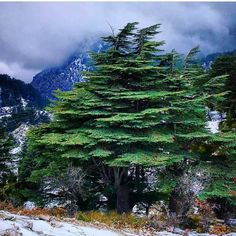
{"points": [[219, 158], [219, 161], [179, 180], [6, 162], [226, 65]]}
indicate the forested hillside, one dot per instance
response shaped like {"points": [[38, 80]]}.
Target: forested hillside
{"points": [[19, 103], [132, 144]]}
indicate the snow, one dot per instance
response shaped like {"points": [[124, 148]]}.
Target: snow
{"points": [[23, 102], [32, 226], [29, 205], [213, 126], [13, 225], [6, 112], [19, 134], [16, 150], [215, 119]]}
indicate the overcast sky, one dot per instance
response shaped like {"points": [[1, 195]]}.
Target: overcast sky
{"points": [[34, 36]]}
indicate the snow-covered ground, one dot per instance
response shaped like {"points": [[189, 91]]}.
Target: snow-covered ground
{"points": [[14, 225], [19, 225]]}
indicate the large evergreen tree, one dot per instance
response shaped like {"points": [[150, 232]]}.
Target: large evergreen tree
{"points": [[134, 111]]}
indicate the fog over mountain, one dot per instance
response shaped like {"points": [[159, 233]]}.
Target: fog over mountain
{"points": [[35, 36]]}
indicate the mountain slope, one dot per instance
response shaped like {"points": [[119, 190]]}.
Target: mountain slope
{"points": [[19, 103], [209, 59], [21, 106], [14, 92], [63, 77]]}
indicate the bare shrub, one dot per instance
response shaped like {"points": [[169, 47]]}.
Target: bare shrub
{"points": [[70, 188], [182, 198]]}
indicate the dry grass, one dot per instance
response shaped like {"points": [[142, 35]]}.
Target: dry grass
{"points": [[220, 229], [57, 212], [6, 206], [113, 219], [110, 219]]}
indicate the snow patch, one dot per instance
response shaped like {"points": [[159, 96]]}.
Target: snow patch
{"points": [[23, 102], [19, 134], [6, 112], [215, 119], [29, 205]]}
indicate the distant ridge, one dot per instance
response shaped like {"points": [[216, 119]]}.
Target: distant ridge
{"points": [[63, 77]]}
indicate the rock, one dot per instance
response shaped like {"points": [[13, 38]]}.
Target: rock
{"points": [[55, 224], [139, 210], [164, 233], [11, 218], [45, 218], [192, 233], [10, 232], [28, 225], [29, 205], [231, 222], [170, 228], [204, 234], [178, 231], [219, 221]]}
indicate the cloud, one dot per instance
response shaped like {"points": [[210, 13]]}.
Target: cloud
{"points": [[16, 71], [34, 36]]}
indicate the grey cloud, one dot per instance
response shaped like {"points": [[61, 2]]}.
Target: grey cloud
{"points": [[37, 35]]}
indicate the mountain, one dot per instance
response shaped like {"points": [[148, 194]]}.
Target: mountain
{"points": [[209, 59], [19, 103], [64, 76], [14, 92], [21, 106]]}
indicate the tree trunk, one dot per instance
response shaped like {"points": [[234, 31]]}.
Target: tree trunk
{"points": [[122, 189], [122, 201], [173, 202]]}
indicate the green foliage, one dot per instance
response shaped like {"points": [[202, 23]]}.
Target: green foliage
{"points": [[216, 152], [6, 144], [7, 177], [220, 163], [220, 158], [226, 65]]}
